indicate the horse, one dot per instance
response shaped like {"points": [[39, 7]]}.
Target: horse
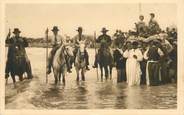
{"points": [[105, 62], [59, 64], [17, 64], [80, 62]]}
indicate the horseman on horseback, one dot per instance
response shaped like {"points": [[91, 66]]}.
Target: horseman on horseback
{"points": [[105, 42], [16, 51], [57, 41], [78, 39]]}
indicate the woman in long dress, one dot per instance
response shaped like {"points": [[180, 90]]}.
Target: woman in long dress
{"points": [[133, 70]]}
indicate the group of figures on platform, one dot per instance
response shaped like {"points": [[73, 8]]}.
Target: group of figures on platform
{"points": [[147, 55]]}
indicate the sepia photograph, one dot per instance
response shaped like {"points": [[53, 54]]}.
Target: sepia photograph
{"points": [[91, 56]]}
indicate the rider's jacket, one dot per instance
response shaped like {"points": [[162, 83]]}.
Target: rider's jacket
{"points": [[104, 40], [16, 46]]}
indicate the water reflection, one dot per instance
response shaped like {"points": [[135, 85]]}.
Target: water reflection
{"points": [[91, 94]]}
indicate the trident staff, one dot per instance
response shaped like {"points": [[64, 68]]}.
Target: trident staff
{"points": [[96, 54], [46, 33]]}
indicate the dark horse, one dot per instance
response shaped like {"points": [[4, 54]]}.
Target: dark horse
{"points": [[105, 62], [18, 65]]}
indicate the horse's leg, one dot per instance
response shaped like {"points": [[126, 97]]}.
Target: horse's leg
{"points": [[14, 80], [63, 78], [59, 76], [110, 69], [21, 77], [106, 72], [101, 68], [56, 77], [82, 73], [77, 71]]}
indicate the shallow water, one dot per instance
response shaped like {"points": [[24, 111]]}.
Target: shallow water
{"points": [[91, 94]]}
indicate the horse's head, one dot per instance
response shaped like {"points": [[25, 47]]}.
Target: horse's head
{"points": [[82, 48], [81, 52], [68, 50]]}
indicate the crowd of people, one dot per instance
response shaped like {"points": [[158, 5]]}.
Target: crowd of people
{"points": [[146, 55]]}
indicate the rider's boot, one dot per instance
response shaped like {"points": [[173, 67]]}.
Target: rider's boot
{"points": [[87, 68], [49, 67]]}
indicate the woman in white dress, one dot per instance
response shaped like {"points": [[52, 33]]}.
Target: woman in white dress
{"points": [[133, 70]]}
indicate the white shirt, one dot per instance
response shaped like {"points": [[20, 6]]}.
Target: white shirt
{"points": [[84, 39], [59, 39]]}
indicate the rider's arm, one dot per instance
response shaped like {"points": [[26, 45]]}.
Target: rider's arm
{"points": [[25, 43], [109, 41], [9, 41], [98, 39]]}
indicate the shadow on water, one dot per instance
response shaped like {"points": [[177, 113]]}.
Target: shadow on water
{"points": [[121, 96], [63, 98], [80, 95], [12, 91]]}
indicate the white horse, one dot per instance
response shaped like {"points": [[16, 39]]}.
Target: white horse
{"points": [[59, 63], [80, 62]]}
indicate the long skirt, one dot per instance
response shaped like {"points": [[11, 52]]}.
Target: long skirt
{"points": [[133, 72], [152, 73], [121, 75]]}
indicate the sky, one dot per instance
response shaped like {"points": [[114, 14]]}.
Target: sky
{"points": [[33, 19]]}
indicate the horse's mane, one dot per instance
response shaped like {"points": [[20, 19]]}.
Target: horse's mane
{"points": [[59, 54]]}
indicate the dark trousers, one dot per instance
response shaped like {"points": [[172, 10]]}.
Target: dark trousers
{"points": [[121, 75], [165, 78], [153, 70], [143, 69]]}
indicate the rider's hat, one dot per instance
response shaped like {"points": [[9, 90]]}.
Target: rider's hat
{"points": [[55, 28], [152, 14], [79, 29], [16, 30], [141, 16], [104, 30]]}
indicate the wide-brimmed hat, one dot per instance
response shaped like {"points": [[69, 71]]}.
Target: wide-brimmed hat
{"points": [[79, 28], [55, 28], [141, 16], [152, 14], [104, 30], [16, 30]]}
